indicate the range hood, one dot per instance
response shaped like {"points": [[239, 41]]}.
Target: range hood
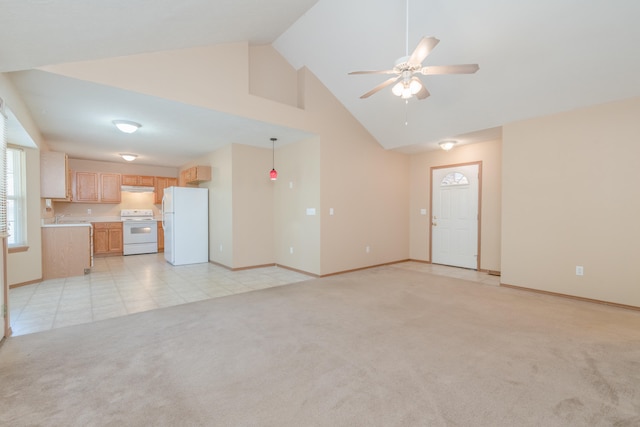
{"points": [[137, 189]]}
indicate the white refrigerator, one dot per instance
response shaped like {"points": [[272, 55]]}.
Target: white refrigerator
{"points": [[185, 219]]}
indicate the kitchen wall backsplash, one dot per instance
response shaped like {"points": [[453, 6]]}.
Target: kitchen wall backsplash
{"points": [[128, 201]]}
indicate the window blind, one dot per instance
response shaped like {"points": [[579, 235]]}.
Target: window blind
{"points": [[3, 170]]}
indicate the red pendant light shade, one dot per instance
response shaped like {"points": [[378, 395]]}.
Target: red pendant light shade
{"points": [[274, 173]]}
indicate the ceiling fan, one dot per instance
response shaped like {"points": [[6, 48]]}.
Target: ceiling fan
{"points": [[407, 84]]}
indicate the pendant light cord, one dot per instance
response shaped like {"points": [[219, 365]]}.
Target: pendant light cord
{"points": [[273, 153]]}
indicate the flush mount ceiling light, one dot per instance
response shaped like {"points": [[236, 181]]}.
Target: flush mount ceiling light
{"points": [[129, 157], [127, 126], [273, 175], [447, 145]]}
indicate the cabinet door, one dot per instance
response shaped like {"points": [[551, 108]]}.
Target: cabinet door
{"points": [[110, 187], [129, 179], [100, 240], [160, 237], [115, 240], [195, 175], [54, 182], [163, 182], [86, 187], [185, 176], [107, 238], [141, 180], [69, 185], [202, 173], [146, 181], [160, 185]]}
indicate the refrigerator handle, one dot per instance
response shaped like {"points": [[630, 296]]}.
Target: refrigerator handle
{"points": [[162, 210]]}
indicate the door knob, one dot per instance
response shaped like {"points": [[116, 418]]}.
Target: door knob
{"points": [[434, 224]]}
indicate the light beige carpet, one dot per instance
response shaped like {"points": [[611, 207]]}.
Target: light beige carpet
{"points": [[383, 347]]}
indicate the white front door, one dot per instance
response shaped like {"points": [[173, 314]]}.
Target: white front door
{"points": [[454, 216]]}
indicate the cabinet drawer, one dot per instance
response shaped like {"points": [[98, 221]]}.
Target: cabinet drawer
{"points": [[103, 225]]}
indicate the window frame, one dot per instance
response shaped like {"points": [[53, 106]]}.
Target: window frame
{"points": [[16, 193]]}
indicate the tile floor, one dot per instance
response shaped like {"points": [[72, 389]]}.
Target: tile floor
{"points": [[118, 286]]}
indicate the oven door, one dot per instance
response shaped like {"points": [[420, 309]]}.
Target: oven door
{"points": [[140, 232], [140, 237]]}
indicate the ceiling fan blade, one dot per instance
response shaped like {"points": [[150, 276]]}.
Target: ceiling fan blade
{"points": [[373, 72], [450, 69], [422, 93], [381, 86], [424, 48]]}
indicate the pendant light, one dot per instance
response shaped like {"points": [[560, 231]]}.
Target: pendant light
{"points": [[274, 173]]}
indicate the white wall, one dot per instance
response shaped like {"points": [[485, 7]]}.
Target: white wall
{"points": [[220, 204], [569, 199], [296, 190], [26, 267], [252, 212]]}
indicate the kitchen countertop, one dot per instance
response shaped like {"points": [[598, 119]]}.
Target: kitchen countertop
{"points": [[70, 221], [76, 224]]}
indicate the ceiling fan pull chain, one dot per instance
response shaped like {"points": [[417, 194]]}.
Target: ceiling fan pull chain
{"points": [[406, 112]]}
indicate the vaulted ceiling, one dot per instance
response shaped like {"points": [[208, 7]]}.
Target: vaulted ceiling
{"points": [[536, 57]]}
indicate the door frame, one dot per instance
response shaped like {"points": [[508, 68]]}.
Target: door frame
{"points": [[432, 169]]}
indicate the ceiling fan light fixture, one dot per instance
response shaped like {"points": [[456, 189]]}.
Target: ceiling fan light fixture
{"points": [[127, 126], [415, 86], [129, 157], [397, 89], [447, 145]]}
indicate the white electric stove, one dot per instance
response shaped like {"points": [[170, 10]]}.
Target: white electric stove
{"points": [[139, 231]]}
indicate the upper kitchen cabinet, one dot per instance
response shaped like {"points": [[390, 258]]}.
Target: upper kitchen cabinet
{"points": [[55, 182], [93, 187], [195, 175], [110, 187], [161, 183], [86, 187], [138, 180]]}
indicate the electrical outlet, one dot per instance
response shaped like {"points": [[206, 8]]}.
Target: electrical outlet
{"points": [[88, 211], [579, 270], [367, 249], [291, 249], [220, 247]]}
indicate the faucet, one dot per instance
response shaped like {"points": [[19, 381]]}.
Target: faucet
{"points": [[58, 218]]}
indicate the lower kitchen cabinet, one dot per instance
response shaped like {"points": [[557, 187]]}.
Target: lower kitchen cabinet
{"points": [[160, 237], [66, 251], [107, 238]]}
